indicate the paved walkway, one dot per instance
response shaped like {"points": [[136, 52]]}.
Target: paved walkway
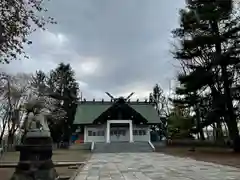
{"points": [[153, 166]]}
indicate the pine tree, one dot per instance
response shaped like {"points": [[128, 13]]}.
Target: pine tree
{"points": [[209, 38], [63, 83], [41, 89]]}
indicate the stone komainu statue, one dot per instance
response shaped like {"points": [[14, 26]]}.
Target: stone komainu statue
{"points": [[37, 116], [37, 122]]}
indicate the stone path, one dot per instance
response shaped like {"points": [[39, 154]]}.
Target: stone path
{"points": [[153, 166]]}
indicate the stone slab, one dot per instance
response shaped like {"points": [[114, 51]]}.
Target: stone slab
{"points": [[153, 166]]}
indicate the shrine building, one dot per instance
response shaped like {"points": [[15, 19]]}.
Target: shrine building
{"points": [[118, 120]]}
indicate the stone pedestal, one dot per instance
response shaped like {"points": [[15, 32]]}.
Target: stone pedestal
{"points": [[35, 162]]}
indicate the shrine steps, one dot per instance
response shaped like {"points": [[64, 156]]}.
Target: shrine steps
{"points": [[122, 147]]}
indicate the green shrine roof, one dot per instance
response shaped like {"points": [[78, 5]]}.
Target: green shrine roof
{"points": [[148, 112], [87, 112]]}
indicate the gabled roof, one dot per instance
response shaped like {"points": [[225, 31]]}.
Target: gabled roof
{"points": [[87, 112], [148, 112], [121, 111]]}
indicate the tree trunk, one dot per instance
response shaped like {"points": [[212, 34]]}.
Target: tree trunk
{"points": [[219, 134], [200, 129], [214, 131], [1, 136], [4, 121], [207, 133], [234, 134], [226, 133], [10, 141], [202, 137], [11, 134], [198, 136], [231, 119]]}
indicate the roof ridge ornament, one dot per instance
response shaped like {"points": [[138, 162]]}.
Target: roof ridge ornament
{"points": [[120, 98]]}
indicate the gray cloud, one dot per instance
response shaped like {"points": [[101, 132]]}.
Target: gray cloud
{"points": [[113, 45]]}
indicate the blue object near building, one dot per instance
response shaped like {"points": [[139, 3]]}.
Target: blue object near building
{"points": [[74, 138]]}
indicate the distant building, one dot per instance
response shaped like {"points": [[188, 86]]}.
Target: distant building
{"points": [[115, 121]]}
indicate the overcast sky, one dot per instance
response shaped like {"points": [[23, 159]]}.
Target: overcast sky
{"points": [[119, 46]]}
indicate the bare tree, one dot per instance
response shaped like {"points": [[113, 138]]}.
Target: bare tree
{"points": [[3, 122], [18, 19], [14, 92], [160, 100]]}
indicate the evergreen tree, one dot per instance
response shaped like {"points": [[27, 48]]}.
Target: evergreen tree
{"points": [[180, 122], [43, 90], [209, 38], [191, 101], [63, 83]]}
